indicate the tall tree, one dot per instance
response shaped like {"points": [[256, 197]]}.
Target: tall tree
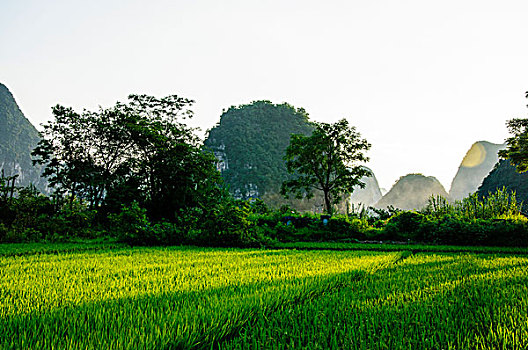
{"points": [[141, 150], [326, 161], [517, 145]]}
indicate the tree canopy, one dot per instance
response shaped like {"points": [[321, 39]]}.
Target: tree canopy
{"points": [[326, 161], [136, 151], [517, 145]]}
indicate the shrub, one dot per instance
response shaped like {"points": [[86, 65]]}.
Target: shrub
{"points": [[499, 204], [228, 224], [405, 225], [131, 224], [3, 232]]}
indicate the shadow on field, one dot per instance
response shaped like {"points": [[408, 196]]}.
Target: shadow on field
{"points": [[181, 320], [460, 303]]}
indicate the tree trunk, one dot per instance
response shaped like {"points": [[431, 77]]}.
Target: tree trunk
{"points": [[328, 202]]}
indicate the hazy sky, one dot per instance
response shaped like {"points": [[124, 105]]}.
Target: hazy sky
{"points": [[421, 80]]}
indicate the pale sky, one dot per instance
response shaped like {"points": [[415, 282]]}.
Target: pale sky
{"points": [[421, 80]]}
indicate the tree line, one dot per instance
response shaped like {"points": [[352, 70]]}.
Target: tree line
{"points": [[138, 170]]}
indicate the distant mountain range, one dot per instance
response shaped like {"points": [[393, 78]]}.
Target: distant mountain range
{"points": [[18, 137], [412, 192], [249, 143]]}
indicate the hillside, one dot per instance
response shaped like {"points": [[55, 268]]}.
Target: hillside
{"points": [[249, 143], [18, 137], [368, 195], [505, 175], [476, 165], [412, 192]]}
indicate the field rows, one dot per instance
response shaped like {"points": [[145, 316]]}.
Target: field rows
{"points": [[183, 297], [427, 301], [153, 297]]}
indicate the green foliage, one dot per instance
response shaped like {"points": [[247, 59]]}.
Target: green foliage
{"points": [[32, 216], [517, 144], [294, 227], [493, 220], [228, 225], [504, 175], [258, 206], [131, 224], [452, 230], [326, 161], [252, 138], [136, 151], [406, 225], [501, 204]]}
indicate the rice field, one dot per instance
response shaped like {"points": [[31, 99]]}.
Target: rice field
{"points": [[115, 297]]}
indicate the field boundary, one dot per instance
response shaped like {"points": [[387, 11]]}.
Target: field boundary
{"points": [[397, 248]]}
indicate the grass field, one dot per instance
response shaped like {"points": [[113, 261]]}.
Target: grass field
{"points": [[107, 296]]}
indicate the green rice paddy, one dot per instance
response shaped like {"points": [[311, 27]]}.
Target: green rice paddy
{"points": [[114, 297]]}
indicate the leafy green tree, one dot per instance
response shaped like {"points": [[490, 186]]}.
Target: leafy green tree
{"points": [[326, 161], [517, 145], [140, 150]]}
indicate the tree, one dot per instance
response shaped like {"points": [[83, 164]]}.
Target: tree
{"points": [[326, 161], [517, 145], [139, 151]]}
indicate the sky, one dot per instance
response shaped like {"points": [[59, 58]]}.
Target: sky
{"points": [[421, 80]]}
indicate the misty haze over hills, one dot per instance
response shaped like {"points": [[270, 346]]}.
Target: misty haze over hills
{"points": [[412, 192], [369, 195], [476, 165]]}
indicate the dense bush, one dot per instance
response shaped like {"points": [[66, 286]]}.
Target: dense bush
{"points": [[407, 225], [492, 220], [289, 226], [499, 204], [28, 215], [131, 225], [228, 224], [452, 230]]}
